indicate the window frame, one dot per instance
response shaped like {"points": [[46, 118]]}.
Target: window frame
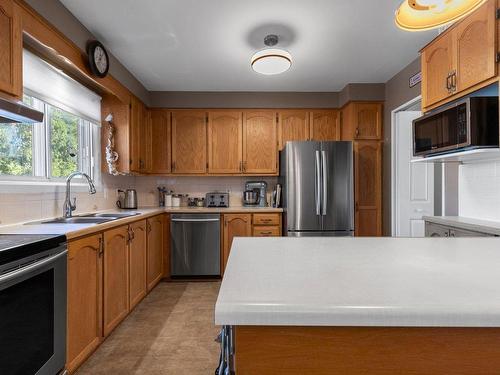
{"points": [[88, 152]]}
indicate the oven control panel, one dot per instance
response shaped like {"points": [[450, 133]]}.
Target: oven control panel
{"points": [[217, 199]]}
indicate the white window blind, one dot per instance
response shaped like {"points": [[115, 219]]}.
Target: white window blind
{"points": [[56, 88]]}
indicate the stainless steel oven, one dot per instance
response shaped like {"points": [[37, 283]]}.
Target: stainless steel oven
{"points": [[466, 124], [33, 312]]}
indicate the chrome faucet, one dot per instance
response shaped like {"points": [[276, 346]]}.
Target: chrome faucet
{"points": [[69, 207]]}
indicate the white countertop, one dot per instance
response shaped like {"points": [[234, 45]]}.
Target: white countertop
{"points": [[448, 282], [78, 230], [484, 226]]}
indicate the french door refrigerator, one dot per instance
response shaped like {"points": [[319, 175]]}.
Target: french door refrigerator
{"points": [[318, 188]]}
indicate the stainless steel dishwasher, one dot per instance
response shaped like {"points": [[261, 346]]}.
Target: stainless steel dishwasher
{"points": [[195, 245]]}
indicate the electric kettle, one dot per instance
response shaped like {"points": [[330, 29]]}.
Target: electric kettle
{"points": [[128, 200]]}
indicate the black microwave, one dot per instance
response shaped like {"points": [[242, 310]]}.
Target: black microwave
{"points": [[469, 123]]}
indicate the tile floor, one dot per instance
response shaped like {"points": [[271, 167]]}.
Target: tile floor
{"points": [[171, 332]]}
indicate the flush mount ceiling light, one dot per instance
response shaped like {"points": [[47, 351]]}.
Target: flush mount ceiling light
{"points": [[271, 61], [418, 15]]}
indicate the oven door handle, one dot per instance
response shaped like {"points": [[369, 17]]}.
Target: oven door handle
{"points": [[32, 267], [195, 220]]}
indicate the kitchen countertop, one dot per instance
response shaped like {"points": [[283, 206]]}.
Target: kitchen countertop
{"points": [[332, 281], [483, 226], [78, 230]]}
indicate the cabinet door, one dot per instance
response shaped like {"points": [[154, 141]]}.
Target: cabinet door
{"points": [[367, 121], [84, 299], [225, 142], [324, 126], [11, 56], [160, 142], [293, 126], [116, 277], [368, 188], [475, 44], [189, 142], [235, 225], [260, 153], [137, 262], [437, 63], [139, 136], [155, 247]]}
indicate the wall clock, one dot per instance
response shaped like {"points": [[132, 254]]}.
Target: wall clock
{"points": [[98, 59]]}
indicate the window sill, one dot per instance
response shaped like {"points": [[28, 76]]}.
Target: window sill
{"points": [[38, 186]]}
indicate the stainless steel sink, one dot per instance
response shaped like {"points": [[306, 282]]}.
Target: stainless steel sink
{"points": [[111, 215], [78, 220]]}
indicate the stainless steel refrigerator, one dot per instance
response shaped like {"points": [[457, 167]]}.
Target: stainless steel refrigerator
{"points": [[318, 188]]}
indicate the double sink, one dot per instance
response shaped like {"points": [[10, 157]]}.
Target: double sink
{"points": [[88, 219]]}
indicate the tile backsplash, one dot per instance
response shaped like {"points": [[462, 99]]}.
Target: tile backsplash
{"points": [[479, 191], [28, 204]]}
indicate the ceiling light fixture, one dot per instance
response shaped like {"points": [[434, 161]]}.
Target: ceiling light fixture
{"points": [[270, 61], [419, 15]]}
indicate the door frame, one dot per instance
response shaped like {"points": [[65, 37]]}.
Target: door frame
{"points": [[394, 185]]}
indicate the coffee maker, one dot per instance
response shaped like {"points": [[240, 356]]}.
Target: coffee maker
{"points": [[260, 188]]}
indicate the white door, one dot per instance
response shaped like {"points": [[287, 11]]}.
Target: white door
{"points": [[414, 181]]}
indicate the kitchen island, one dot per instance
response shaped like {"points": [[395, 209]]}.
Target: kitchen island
{"points": [[363, 305]]}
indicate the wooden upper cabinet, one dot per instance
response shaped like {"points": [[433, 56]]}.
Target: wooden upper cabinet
{"points": [[84, 299], [189, 142], [155, 231], [367, 120], [437, 65], [235, 225], [137, 262], [368, 188], [161, 151], [116, 277], [11, 49], [140, 150], [225, 142], [324, 126], [260, 132], [475, 39], [293, 126]]}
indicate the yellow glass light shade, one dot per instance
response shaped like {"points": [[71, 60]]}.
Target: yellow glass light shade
{"points": [[418, 15]]}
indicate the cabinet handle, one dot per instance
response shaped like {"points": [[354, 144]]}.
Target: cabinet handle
{"points": [[244, 166], [173, 166], [448, 83], [357, 132], [148, 226], [101, 247], [266, 233], [357, 206], [241, 166], [454, 81]]}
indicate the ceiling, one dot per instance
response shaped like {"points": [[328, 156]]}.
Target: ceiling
{"points": [[206, 45]]}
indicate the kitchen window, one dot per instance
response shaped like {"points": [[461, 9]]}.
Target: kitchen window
{"points": [[66, 141]]}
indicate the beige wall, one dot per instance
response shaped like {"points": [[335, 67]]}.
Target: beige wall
{"points": [[397, 92]]}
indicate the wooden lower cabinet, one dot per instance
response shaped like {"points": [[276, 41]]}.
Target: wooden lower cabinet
{"points": [[116, 277], [84, 329], [155, 230], [368, 188], [235, 225], [291, 350], [137, 262]]}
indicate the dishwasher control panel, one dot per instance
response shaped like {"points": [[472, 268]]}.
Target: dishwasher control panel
{"points": [[217, 199]]}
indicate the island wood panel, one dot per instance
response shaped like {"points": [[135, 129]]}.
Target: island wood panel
{"points": [[324, 125], [161, 149], [137, 263], [476, 47], [116, 277], [11, 59], [366, 351], [293, 126], [84, 322], [368, 188], [225, 137], [260, 132], [437, 61], [235, 225], [189, 142], [155, 249]]}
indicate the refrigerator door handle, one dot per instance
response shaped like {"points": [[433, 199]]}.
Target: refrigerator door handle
{"points": [[317, 185], [324, 178]]}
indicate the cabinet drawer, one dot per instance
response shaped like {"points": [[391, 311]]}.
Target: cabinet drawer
{"points": [[266, 219], [262, 231]]}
